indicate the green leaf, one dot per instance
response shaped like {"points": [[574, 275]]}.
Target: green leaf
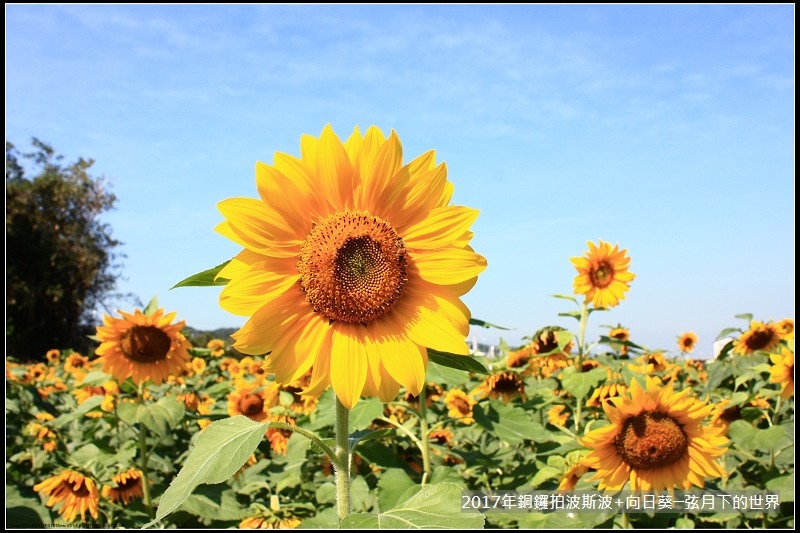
{"points": [[79, 412], [565, 297], [508, 422], [784, 485], [745, 316], [161, 416], [369, 434], [445, 375], [477, 322], [545, 473], [362, 415], [206, 278], [392, 486], [23, 512], [580, 383], [95, 378], [459, 362], [214, 503], [433, 507], [747, 437], [221, 449], [151, 307], [684, 523], [326, 493], [726, 333], [574, 314]]}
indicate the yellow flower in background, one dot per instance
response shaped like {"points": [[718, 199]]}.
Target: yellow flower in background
{"points": [[73, 492], [253, 400], [761, 336], [603, 275], [269, 522], [128, 485], [77, 365], [198, 365], [782, 372], [557, 416], [603, 393], [505, 385], [655, 441], [53, 356], [621, 334], [459, 405], [353, 265], [571, 477], [142, 347], [687, 342], [785, 328], [278, 437], [217, 347]]}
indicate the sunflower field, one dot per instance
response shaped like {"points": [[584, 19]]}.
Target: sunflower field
{"points": [[350, 398]]}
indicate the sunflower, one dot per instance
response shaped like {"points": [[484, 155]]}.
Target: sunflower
{"points": [[603, 275], [353, 265], [278, 437], [785, 328], [655, 441], [269, 522], [604, 393], [687, 342], [128, 485], [53, 356], [217, 347], [782, 371], [571, 477], [253, 400], [42, 433], [77, 365], [198, 365], [557, 416], [760, 337], [142, 346], [459, 405], [74, 492], [621, 334], [505, 385]]}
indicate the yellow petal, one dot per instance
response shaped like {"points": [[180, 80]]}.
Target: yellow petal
{"points": [[441, 227], [448, 266], [334, 170], [348, 363]]}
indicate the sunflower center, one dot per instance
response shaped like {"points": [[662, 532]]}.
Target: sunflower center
{"points": [[145, 344], [759, 339], [651, 440], [251, 405], [80, 490], [353, 267], [462, 406], [128, 484], [602, 276], [507, 383]]}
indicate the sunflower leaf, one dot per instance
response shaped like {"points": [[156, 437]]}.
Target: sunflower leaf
{"points": [[433, 507], [726, 332], [510, 423], [459, 362], [161, 416], [368, 434], [478, 322], [206, 278], [81, 410], [151, 307], [745, 316], [221, 449]]}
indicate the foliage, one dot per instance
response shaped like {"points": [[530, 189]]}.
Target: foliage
{"points": [[60, 262]]}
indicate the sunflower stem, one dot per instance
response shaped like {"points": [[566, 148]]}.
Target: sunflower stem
{"points": [[342, 462], [581, 354], [148, 503], [426, 441]]}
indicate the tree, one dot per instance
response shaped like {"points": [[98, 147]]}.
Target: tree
{"points": [[60, 260]]}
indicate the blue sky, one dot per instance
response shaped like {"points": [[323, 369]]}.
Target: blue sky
{"points": [[666, 129]]}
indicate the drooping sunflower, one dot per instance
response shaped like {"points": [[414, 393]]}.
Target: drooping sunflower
{"points": [[353, 265], [782, 372], [655, 441], [142, 346], [762, 336], [687, 342], [73, 492], [129, 485], [459, 405], [603, 275], [504, 385]]}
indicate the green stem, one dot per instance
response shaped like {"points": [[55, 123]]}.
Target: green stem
{"points": [[148, 503], [342, 455], [426, 444], [581, 355], [310, 436]]}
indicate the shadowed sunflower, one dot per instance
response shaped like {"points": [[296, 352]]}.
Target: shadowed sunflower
{"points": [[603, 275], [621, 334], [353, 265], [687, 342], [128, 486], [760, 337], [74, 492], [571, 477], [53, 356], [459, 405], [142, 346], [505, 385], [782, 372], [655, 441], [279, 437]]}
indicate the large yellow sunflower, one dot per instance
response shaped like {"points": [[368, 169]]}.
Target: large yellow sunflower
{"points": [[603, 275], [762, 336], [74, 492], [353, 265], [782, 372], [142, 346], [655, 441]]}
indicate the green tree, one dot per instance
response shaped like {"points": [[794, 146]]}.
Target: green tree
{"points": [[60, 260]]}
